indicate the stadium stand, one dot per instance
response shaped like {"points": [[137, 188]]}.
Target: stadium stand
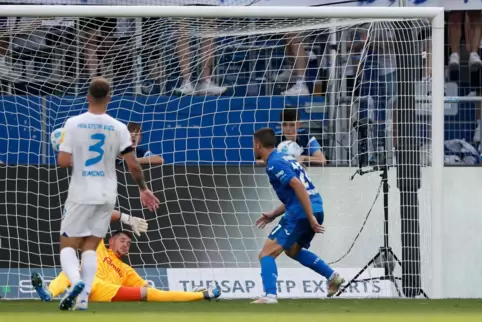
{"points": [[256, 74]]}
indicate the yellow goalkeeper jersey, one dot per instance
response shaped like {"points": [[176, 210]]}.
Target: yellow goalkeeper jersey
{"points": [[112, 270]]}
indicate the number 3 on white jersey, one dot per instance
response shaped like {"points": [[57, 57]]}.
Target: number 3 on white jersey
{"points": [[96, 147]]}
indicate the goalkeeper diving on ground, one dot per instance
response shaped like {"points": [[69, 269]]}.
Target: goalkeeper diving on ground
{"points": [[302, 207], [117, 281]]}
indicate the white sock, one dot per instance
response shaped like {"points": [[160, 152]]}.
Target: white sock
{"points": [[89, 268], [70, 264]]}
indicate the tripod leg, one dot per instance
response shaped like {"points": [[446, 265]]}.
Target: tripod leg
{"points": [[358, 274], [390, 272], [424, 294], [396, 258], [394, 281]]}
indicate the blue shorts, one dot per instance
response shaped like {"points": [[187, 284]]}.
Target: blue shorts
{"points": [[290, 231]]}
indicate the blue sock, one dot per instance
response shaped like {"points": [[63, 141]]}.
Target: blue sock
{"points": [[269, 274], [310, 260]]}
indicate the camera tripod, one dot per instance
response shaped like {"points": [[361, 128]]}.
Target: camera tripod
{"points": [[385, 257]]}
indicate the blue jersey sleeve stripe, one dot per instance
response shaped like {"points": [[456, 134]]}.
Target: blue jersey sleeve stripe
{"points": [[313, 146]]}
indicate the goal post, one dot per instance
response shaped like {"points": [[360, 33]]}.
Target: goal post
{"points": [[210, 187], [438, 88]]}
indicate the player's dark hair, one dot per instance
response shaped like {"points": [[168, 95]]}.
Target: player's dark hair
{"points": [[99, 89], [119, 232], [134, 127], [290, 114], [266, 137]]}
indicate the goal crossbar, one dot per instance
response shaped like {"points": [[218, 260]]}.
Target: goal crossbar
{"points": [[220, 11]]}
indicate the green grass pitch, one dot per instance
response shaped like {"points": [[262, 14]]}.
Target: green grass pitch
{"points": [[338, 310]]}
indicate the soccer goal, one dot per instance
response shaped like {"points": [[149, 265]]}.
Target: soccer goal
{"points": [[196, 82]]}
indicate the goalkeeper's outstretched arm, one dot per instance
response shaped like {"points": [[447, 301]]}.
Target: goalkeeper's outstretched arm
{"points": [[138, 225]]}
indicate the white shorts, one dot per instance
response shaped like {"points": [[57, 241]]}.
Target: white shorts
{"points": [[79, 220]]}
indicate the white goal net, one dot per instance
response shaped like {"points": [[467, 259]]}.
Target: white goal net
{"points": [[194, 83]]}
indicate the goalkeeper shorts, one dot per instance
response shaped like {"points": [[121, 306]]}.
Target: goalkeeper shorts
{"points": [[103, 292]]}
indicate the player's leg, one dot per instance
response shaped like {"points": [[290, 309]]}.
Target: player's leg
{"points": [[150, 294], [104, 292], [70, 266], [40, 287], [98, 226], [299, 252], [73, 229], [88, 270], [279, 239], [101, 292], [56, 287], [312, 261], [59, 285]]}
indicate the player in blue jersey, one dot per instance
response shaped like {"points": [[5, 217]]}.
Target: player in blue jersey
{"points": [[291, 130], [303, 209]]}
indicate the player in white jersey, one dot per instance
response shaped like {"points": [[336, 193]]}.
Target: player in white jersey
{"points": [[91, 143]]}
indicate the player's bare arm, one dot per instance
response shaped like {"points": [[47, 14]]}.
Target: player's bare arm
{"points": [[65, 154], [135, 170], [153, 159], [267, 217], [317, 157], [304, 198], [135, 129], [147, 197], [64, 159], [279, 211]]}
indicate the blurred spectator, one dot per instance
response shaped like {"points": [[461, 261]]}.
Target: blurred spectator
{"points": [[28, 35], [151, 52], [295, 49], [143, 156], [204, 86], [291, 130], [97, 37], [473, 35]]}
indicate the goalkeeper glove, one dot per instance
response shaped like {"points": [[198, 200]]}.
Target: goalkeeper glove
{"points": [[138, 225]]}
